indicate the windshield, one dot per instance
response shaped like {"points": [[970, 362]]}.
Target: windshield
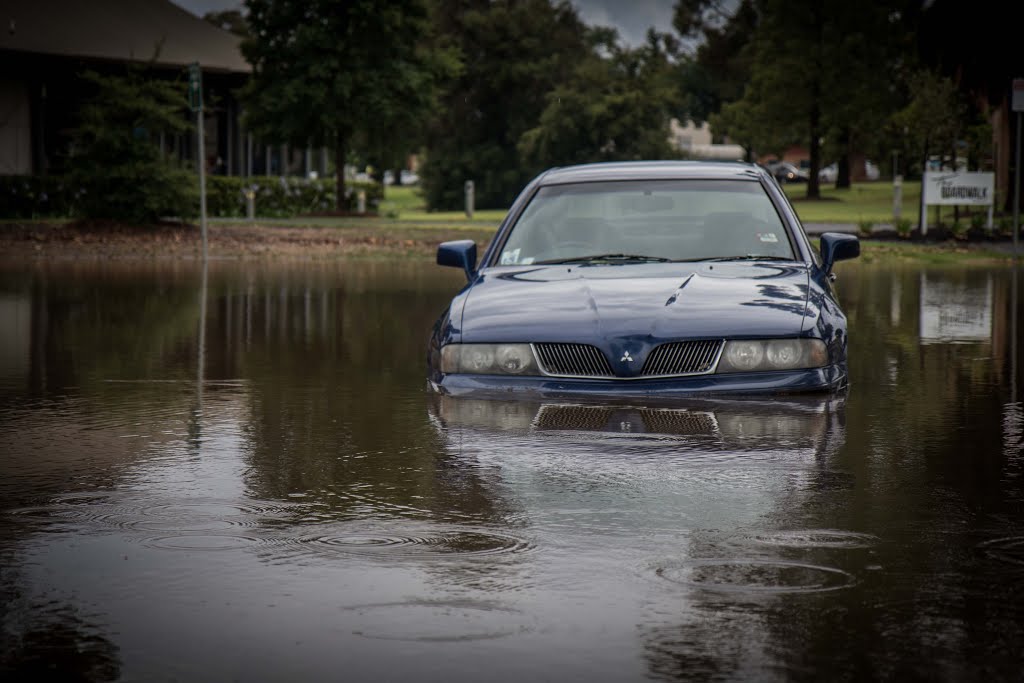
{"points": [[665, 220]]}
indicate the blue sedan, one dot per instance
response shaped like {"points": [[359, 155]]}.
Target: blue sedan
{"points": [[644, 279]]}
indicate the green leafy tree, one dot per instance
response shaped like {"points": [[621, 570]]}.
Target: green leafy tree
{"points": [[816, 66], [339, 72], [116, 164], [616, 106], [514, 52], [721, 65]]}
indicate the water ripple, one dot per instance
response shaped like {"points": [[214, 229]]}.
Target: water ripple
{"points": [[454, 542], [815, 538], [1009, 549], [756, 576]]}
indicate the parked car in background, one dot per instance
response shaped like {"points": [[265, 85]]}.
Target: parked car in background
{"points": [[786, 172], [407, 178], [644, 279]]}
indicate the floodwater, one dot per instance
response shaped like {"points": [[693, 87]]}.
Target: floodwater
{"points": [[242, 477]]}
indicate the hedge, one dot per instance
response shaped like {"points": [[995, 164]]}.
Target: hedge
{"points": [[36, 197], [54, 197], [283, 197]]}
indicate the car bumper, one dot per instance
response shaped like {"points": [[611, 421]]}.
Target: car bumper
{"points": [[831, 378]]}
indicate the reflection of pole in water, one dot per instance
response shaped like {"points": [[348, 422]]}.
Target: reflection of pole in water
{"points": [[1013, 336], [194, 430], [1013, 415]]}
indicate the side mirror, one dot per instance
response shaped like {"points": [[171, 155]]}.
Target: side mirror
{"points": [[460, 254], [837, 246]]}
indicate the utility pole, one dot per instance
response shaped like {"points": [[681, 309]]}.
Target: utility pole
{"points": [[195, 103]]}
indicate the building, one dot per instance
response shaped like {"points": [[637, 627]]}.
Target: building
{"points": [[46, 44], [696, 142]]}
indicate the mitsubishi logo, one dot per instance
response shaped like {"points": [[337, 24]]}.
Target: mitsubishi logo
{"points": [[626, 358]]}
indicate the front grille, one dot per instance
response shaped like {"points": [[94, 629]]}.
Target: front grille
{"points": [[682, 358], [682, 422], [573, 360]]}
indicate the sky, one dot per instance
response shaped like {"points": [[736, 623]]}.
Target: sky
{"points": [[631, 18]]}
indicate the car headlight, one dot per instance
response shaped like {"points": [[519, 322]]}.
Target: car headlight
{"points": [[754, 355], [489, 359]]}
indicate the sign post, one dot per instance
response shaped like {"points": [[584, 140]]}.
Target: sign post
{"points": [[195, 103], [1017, 104]]}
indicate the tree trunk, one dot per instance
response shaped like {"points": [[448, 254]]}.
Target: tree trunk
{"points": [[340, 202], [843, 165], [398, 176], [813, 186]]}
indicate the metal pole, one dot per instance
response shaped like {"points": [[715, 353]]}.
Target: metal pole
{"points": [[924, 207], [1016, 191], [201, 160]]}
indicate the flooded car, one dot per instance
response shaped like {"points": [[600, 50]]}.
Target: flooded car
{"points": [[651, 279]]}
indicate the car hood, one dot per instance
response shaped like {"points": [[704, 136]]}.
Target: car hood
{"points": [[637, 304]]}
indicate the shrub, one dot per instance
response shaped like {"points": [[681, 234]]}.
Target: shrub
{"points": [[978, 221], [282, 197], [117, 169], [903, 226], [865, 227], [60, 197]]}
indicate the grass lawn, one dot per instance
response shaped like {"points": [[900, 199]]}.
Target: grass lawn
{"points": [[409, 205], [868, 201], [862, 202]]}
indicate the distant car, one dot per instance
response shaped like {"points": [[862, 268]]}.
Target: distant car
{"points": [[786, 172], [407, 178], [651, 279]]}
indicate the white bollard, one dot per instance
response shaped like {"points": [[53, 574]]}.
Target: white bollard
{"points": [[361, 201], [897, 196], [470, 199]]}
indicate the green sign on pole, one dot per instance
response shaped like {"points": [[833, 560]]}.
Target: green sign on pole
{"points": [[195, 87]]}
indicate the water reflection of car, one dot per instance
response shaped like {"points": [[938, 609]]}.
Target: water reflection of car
{"points": [[645, 279], [814, 422]]}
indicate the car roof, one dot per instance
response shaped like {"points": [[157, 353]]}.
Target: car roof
{"points": [[652, 170]]}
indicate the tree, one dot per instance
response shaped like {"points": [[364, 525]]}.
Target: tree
{"points": [[336, 72], [616, 106], [514, 52], [721, 66], [116, 164], [817, 67], [231, 20]]}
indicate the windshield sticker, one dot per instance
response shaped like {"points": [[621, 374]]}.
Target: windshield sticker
{"points": [[509, 258], [767, 237]]}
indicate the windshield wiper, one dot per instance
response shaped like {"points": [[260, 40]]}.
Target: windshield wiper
{"points": [[614, 258], [749, 257]]}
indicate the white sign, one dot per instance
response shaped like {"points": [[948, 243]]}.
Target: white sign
{"points": [[1017, 102], [951, 188]]}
